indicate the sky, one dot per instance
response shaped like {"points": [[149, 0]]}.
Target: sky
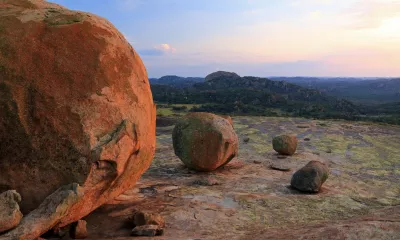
{"points": [[353, 38]]}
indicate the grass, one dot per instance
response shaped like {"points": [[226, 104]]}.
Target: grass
{"points": [[165, 110]]}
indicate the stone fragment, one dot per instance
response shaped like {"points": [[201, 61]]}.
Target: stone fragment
{"points": [[78, 230], [148, 231], [141, 218], [10, 215]]}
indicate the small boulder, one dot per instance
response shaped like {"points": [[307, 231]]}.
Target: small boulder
{"points": [[285, 144], [78, 230], [204, 141], [10, 214], [141, 218], [148, 231], [280, 167], [311, 177]]}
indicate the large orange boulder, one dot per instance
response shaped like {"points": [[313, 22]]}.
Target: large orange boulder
{"points": [[204, 141], [75, 106]]}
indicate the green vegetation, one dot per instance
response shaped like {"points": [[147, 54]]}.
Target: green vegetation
{"points": [[263, 97], [168, 110]]}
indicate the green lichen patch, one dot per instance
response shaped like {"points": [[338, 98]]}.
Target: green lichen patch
{"points": [[58, 17]]}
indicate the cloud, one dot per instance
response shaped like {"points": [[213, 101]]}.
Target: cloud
{"points": [[165, 47], [158, 50], [372, 13]]}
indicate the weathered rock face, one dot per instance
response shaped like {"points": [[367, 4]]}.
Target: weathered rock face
{"points": [[75, 104], [219, 74], [204, 141], [285, 144], [10, 215], [311, 177]]}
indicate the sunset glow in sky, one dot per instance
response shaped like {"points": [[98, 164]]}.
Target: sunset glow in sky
{"points": [[258, 37]]}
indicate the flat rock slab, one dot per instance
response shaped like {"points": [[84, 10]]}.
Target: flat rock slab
{"points": [[253, 201]]}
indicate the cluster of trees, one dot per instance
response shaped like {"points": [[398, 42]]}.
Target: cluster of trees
{"points": [[264, 97]]}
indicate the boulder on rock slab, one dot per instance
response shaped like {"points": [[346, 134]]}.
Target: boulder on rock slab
{"points": [[141, 218], [75, 106], [148, 230], [204, 141], [311, 177], [78, 230], [10, 215], [285, 144]]}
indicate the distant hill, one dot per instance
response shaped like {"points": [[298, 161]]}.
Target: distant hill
{"points": [[370, 91], [232, 94], [176, 81]]}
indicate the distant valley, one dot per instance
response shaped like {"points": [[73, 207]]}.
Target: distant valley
{"points": [[366, 91], [228, 93]]}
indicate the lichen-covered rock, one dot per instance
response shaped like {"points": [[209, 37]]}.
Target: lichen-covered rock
{"points": [[311, 177], [204, 141], [285, 144], [10, 215], [75, 104], [78, 230], [141, 218]]}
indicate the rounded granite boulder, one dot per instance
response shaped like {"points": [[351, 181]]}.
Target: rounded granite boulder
{"points": [[285, 144], [75, 106], [311, 177], [204, 141]]}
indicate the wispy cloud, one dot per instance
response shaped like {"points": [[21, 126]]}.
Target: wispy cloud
{"points": [[158, 50], [372, 13]]}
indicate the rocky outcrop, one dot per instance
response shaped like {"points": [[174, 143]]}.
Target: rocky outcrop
{"points": [[204, 141], [285, 144], [76, 106], [50, 213], [10, 215], [311, 177], [221, 74]]}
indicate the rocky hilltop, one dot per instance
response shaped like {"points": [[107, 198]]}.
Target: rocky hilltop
{"points": [[78, 131]]}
